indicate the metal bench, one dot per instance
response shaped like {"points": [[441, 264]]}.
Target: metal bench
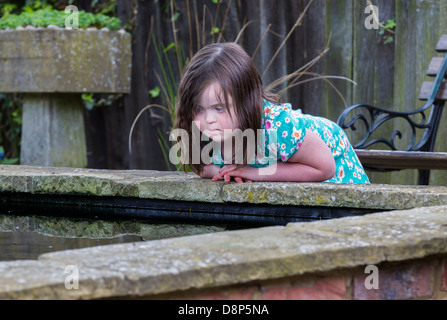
{"points": [[419, 153]]}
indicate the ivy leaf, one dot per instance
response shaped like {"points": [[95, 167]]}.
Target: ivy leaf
{"points": [[390, 24], [155, 92], [389, 40], [89, 102], [214, 30]]}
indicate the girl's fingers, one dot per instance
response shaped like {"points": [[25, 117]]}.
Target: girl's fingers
{"points": [[225, 169], [228, 177], [217, 177]]}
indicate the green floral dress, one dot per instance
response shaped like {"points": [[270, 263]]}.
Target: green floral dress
{"points": [[287, 127]]}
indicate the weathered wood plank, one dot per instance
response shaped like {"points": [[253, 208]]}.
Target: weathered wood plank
{"points": [[442, 44], [402, 160], [434, 66], [338, 25], [385, 59], [427, 88]]}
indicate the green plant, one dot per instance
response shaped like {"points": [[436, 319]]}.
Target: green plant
{"points": [[10, 128], [46, 15], [92, 100], [387, 30], [107, 8]]}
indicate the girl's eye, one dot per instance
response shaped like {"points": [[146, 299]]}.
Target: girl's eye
{"points": [[220, 109], [199, 109]]}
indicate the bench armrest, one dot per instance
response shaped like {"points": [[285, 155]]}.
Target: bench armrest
{"points": [[372, 118]]}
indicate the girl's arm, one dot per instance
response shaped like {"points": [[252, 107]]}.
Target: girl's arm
{"points": [[313, 162], [314, 158]]}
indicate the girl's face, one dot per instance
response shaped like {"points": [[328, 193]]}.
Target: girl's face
{"points": [[214, 120]]}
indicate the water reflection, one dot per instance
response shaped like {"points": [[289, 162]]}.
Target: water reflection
{"points": [[29, 245]]}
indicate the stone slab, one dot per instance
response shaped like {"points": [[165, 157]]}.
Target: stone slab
{"points": [[227, 258], [62, 60], [189, 187]]}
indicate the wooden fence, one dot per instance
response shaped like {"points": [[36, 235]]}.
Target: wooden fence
{"points": [[387, 66]]}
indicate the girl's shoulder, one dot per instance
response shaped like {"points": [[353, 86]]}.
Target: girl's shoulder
{"points": [[278, 111], [272, 110]]}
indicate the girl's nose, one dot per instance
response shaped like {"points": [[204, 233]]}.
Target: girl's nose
{"points": [[210, 117]]}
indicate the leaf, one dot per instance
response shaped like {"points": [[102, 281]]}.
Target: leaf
{"points": [[389, 40], [89, 102], [87, 97], [28, 9], [390, 24], [37, 4], [214, 30], [9, 161], [175, 17], [155, 92], [172, 45]]}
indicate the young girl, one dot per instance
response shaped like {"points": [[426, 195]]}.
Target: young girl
{"points": [[222, 91]]}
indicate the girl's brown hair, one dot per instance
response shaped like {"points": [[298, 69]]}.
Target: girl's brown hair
{"points": [[233, 69]]}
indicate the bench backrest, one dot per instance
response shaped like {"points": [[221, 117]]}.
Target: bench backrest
{"points": [[435, 94], [433, 70]]}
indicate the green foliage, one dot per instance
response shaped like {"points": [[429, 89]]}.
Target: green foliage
{"points": [[155, 93], [108, 8], [46, 15], [215, 30], [387, 31], [92, 100], [10, 128]]}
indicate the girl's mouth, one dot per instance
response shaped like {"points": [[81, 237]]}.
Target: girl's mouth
{"points": [[213, 132]]}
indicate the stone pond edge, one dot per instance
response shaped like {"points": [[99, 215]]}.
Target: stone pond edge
{"points": [[228, 258]]}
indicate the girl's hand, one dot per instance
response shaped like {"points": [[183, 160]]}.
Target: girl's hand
{"points": [[228, 172]]}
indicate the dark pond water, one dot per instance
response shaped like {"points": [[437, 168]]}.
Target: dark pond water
{"points": [[25, 243], [29, 245]]}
